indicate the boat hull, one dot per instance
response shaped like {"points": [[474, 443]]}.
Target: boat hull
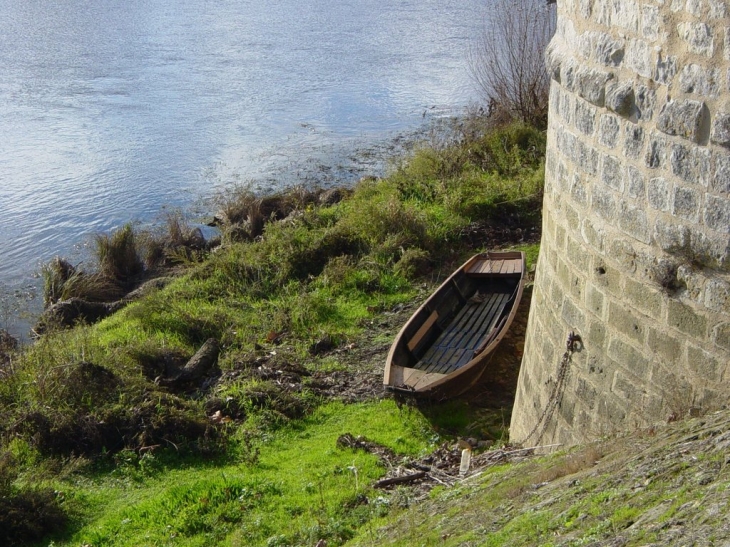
{"points": [[447, 344]]}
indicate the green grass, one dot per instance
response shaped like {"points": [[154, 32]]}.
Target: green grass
{"points": [[302, 487]]}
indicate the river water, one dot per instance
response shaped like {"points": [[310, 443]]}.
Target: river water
{"points": [[111, 110]]}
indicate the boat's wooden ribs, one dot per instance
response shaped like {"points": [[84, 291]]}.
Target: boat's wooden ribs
{"points": [[456, 344]]}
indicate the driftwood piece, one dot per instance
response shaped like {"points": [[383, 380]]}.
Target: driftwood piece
{"points": [[383, 483], [197, 367]]}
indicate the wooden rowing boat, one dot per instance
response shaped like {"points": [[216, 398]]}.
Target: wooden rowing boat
{"points": [[445, 346]]}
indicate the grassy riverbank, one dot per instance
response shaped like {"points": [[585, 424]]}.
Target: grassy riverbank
{"points": [[107, 440]]}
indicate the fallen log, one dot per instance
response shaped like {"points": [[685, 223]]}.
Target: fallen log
{"points": [[383, 483]]}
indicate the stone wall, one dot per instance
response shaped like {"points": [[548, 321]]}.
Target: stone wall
{"points": [[635, 254]]}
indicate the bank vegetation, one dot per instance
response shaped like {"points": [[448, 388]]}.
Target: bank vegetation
{"points": [[204, 404]]}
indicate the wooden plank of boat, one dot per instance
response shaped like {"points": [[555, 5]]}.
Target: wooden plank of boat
{"points": [[445, 346]]}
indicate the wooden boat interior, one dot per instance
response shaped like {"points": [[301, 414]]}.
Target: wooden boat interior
{"points": [[449, 331]]}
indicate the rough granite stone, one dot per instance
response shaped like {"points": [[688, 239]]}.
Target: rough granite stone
{"points": [[609, 52], [717, 213], [634, 222], [590, 84], [682, 118], [650, 22], [721, 180], [633, 141], [656, 154], [720, 133], [611, 173], [620, 97], [645, 101], [658, 193], [695, 79], [603, 203], [718, 9], [686, 203], [585, 117], [671, 237], [690, 163], [625, 15], [698, 37], [635, 183], [608, 130], [639, 57], [665, 69]]}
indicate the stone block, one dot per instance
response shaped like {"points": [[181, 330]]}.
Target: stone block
{"points": [[577, 255], [645, 101], [686, 203], [696, 79], [612, 173], [639, 58], [585, 117], [721, 335], [656, 153], [591, 85], [624, 253], [636, 187], [665, 346], [717, 296], [608, 130], [628, 357], [620, 97], [690, 163], [672, 238], [644, 298], [602, 12], [626, 386], [694, 7], [596, 340], [634, 222], [586, 8], [572, 220], [718, 9], [686, 319], [682, 118], [720, 133], [594, 300], [625, 14], [609, 52], [604, 204], [727, 44], [721, 178], [717, 213], [566, 107], [665, 69], [586, 158], [559, 237], [633, 141], [703, 365], [698, 37], [572, 315], [650, 22], [579, 191], [657, 193], [592, 236]]}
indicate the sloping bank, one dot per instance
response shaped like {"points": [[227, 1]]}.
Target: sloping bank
{"points": [[116, 433]]}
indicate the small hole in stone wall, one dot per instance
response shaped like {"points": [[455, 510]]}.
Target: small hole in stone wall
{"points": [[600, 270]]}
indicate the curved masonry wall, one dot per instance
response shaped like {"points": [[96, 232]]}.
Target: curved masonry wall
{"points": [[635, 254]]}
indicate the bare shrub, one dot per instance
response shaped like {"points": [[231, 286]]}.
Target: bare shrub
{"points": [[507, 64]]}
